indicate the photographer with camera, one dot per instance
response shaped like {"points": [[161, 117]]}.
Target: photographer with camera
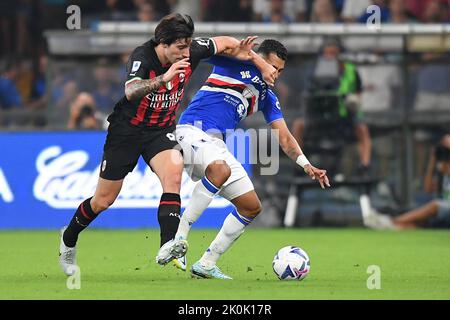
{"points": [[83, 114], [434, 214], [333, 106]]}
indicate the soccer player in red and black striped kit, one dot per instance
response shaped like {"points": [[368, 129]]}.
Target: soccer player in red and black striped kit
{"points": [[143, 124]]}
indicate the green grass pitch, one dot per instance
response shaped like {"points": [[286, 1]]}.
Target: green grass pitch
{"points": [[120, 265]]}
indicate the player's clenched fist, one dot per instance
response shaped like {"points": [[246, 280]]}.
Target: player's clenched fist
{"points": [[269, 74], [176, 68]]}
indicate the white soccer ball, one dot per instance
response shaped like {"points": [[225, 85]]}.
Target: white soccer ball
{"points": [[291, 263]]}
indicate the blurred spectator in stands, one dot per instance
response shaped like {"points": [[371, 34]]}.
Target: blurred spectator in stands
{"points": [[69, 91], [436, 11], [433, 83], [398, 12], [24, 82], [336, 85], [190, 7], [83, 114], [17, 27], [151, 10], [117, 10], [162, 7], [8, 9], [245, 11], [425, 9], [39, 96], [226, 11], [323, 11], [339, 5], [354, 9], [381, 83], [25, 26], [106, 90], [434, 214], [384, 11], [9, 94], [53, 13], [147, 13], [432, 95], [279, 11]]}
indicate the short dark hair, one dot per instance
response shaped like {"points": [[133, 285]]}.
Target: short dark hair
{"points": [[273, 46], [173, 27], [331, 42]]}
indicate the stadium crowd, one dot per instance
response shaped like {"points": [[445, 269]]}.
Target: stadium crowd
{"points": [[79, 94], [23, 49]]}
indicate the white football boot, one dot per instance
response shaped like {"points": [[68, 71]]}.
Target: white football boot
{"points": [[67, 256], [172, 249], [180, 263]]}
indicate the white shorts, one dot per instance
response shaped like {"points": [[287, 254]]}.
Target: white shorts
{"points": [[201, 149]]}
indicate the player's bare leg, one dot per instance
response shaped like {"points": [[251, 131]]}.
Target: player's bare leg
{"points": [[105, 195]]}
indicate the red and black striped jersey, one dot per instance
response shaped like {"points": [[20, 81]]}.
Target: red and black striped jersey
{"points": [[158, 109]]}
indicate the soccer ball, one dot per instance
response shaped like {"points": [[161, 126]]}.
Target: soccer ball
{"points": [[291, 263]]}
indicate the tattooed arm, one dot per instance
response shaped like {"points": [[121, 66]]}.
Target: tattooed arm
{"points": [[138, 88]]}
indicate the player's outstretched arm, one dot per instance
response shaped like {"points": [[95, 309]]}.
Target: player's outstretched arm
{"points": [[292, 149], [233, 47], [243, 50]]}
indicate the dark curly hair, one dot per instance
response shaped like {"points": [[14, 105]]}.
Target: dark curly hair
{"points": [[173, 27], [273, 46]]}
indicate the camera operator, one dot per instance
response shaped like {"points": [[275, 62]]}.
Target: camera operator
{"points": [[83, 114], [334, 101], [434, 214]]}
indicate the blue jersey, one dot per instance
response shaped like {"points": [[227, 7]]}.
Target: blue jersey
{"points": [[234, 90]]}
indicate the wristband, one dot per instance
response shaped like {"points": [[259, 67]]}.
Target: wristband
{"points": [[302, 161]]}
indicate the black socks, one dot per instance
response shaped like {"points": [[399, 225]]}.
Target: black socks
{"points": [[169, 216], [82, 218]]}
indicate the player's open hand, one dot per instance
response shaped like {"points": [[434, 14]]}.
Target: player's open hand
{"points": [[317, 174], [245, 48], [176, 68]]}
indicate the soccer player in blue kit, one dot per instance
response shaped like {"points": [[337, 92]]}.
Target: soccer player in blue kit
{"points": [[233, 91]]}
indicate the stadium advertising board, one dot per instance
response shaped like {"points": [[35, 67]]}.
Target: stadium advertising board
{"points": [[44, 177]]}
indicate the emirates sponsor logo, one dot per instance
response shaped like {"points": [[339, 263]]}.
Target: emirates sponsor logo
{"points": [[164, 100]]}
